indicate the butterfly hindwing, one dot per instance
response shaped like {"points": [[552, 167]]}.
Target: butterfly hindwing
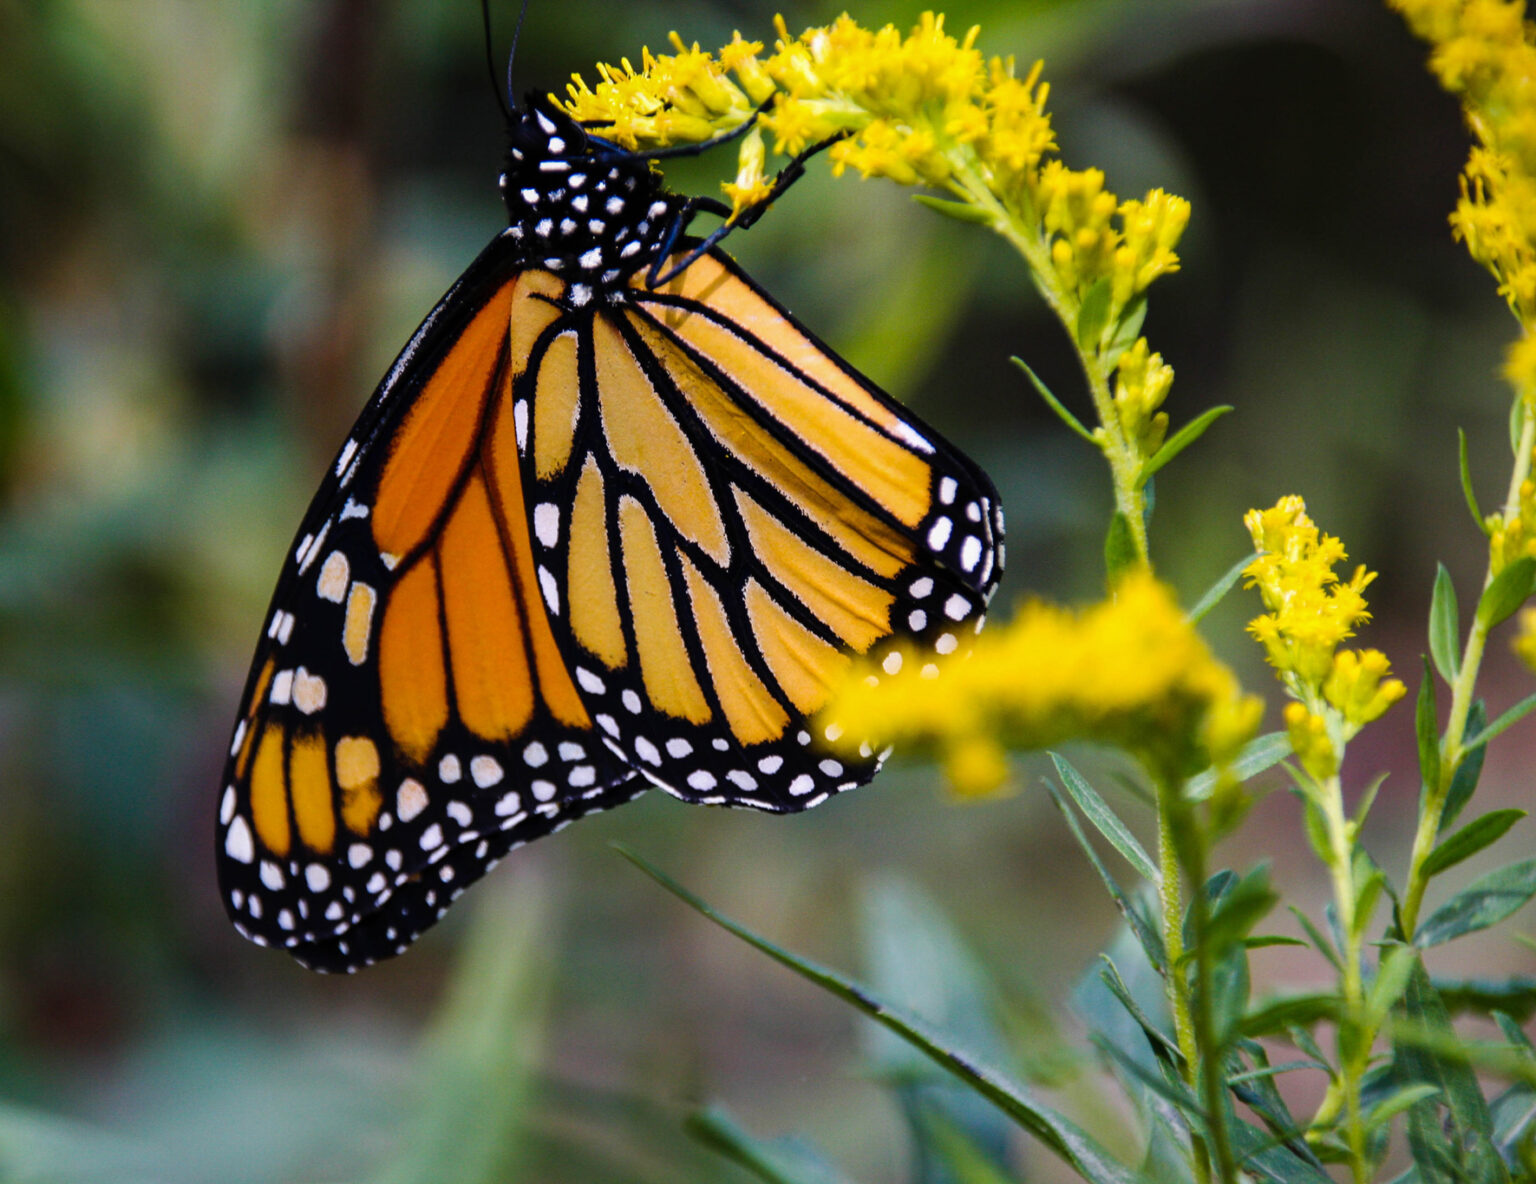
{"points": [[730, 516], [409, 717]]}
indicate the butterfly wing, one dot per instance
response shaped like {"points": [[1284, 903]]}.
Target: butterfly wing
{"points": [[725, 517], [409, 717]]}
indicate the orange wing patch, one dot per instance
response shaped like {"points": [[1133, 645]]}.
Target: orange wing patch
{"points": [[860, 534], [441, 428]]}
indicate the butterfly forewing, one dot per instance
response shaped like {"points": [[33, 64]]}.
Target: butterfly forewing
{"points": [[409, 717]]}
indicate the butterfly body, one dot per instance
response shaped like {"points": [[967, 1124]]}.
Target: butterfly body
{"points": [[593, 533]]}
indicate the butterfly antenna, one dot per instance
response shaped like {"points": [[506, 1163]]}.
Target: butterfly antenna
{"points": [[512, 57], [490, 60]]}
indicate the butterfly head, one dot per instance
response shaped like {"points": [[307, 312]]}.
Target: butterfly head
{"points": [[582, 207]]}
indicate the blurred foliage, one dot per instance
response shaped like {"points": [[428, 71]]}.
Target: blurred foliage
{"points": [[219, 221]]}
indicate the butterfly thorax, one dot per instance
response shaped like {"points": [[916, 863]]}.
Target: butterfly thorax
{"points": [[586, 210]]}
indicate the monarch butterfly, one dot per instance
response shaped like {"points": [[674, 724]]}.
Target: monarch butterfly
{"points": [[613, 519]]}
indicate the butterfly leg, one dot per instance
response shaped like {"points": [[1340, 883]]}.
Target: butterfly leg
{"points": [[734, 219]]}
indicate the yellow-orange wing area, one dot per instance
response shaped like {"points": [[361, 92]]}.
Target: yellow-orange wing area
{"points": [[724, 516], [410, 716]]}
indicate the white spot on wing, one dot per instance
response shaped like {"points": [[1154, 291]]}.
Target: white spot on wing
{"points": [[485, 771], [237, 842], [411, 799], [546, 523]]}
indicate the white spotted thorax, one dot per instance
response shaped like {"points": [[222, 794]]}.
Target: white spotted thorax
{"points": [[593, 217]]}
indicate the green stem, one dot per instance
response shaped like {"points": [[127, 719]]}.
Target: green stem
{"points": [[1125, 462], [1355, 1060], [1171, 899], [1462, 691], [1193, 1022]]}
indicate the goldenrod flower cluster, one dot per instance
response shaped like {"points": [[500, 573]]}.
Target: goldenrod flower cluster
{"points": [[1310, 613], [1483, 51], [1142, 380], [1131, 671], [922, 109]]}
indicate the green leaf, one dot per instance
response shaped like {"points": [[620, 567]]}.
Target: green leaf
{"points": [[1093, 315], [961, 211], [1182, 439], [1054, 1130], [1470, 839], [1466, 482], [1394, 1104], [782, 1161], [1445, 627], [1321, 943], [1426, 727], [1301, 1010], [1513, 716], [1509, 590], [1148, 938], [1454, 1147], [1515, 995], [1391, 980], [1238, 909], [1516, 425], [1464, 779], [1128, 330], [1260, 753], [1106, 821], [1218, 591], [1161, 1042], [1485, 902], [1054, 403], [1265, 940], [1120, 553]]}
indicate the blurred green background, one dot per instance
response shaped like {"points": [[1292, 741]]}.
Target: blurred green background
{"points": [[220, 220]]}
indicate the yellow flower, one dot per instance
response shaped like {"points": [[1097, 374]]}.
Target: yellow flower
{"points": [[1512, 534], [1311, 742], [1130, 671], [1524, 643], [1310, 612], [1483, 51], [1141, 385], [921, 109], [1359, 688]]}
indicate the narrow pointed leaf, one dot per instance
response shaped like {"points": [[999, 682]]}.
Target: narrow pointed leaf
{"points": [[959, 210], [1426, 727], [1484, 902], [1390, 1107], [1054, 1130], [1217, 592], [1321, 943], [1466, 482], [1513, 716], [1508, 591], [1105, 821], [1470, 839], [1132, 315], [1148, 938], [1260, 753], [1183, 438], [1054, 403], [1445, 627], [1093, 315], [1512, 996], [1464, 779]]}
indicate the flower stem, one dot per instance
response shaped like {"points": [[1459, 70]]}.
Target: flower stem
{"points": [[1031, 242], [1355, 1058], [1462, 690]]}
